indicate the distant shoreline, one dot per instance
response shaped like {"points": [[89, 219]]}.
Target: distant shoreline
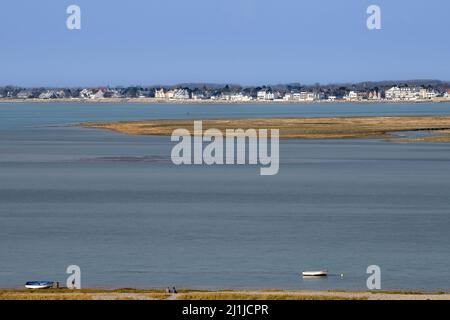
{"points": [[153, 101]]}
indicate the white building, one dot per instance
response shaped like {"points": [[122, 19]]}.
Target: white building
{"points": [[393, 93], [397, 93], [332, 98], [312, 96], [52, 94], [159, 94], [403, 93], [98, 94], [407, 93], [265, 95], [374, 95], [197, 95], [301, 96], [46, 95], [288, 96], [181, 94], [240, 97], [447, 94], [86, 93], [351, 96], [426, 94], [169, 94]]}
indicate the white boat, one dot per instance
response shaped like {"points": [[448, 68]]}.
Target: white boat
{"points": [[39, 284], [321, 273]]}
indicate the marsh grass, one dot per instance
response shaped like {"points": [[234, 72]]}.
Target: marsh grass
{"points": [[84, 294], [299, 128], [262, 296], [188, 294], [399, 292], [24, 296]]}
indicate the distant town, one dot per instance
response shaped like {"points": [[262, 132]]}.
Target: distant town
{"points": [[414, 90]]}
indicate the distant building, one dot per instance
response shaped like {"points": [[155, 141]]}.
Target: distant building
{"points": [[301, 96], [159, 94], [240, 97], [426, 94], [362, 95], [358, 92], [169, 94], [374, 95], [198, 95], [408, 93], [312, 96], [332, 98], [112, 93], [98, 93], [288, 96], [46, 95], [352, 96], [25, 94], [52, 94], [447, 94], [405, 93], [181, 94], [265, 95], [86, 94], [393, 93]]}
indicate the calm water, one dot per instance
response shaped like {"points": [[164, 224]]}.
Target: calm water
{"points": [[117, 207]]}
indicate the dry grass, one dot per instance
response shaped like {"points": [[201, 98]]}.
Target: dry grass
{"points": [[85, 294], [260, 296], [297, 128], [186, 294], [43, 296]]}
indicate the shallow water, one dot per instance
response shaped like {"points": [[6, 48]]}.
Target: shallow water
{"points": [[116, 206]]}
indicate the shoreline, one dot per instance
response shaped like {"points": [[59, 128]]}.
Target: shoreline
{"points": [[187, 294], [153, 101], [370, 127]]}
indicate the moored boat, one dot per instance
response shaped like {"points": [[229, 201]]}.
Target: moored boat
{"points": [[320, 273], [39, 284]]}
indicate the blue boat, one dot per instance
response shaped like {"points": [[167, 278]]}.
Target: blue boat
{"points": [[39, 284]]}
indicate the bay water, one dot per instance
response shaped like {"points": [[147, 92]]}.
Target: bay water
{"points": [[116, 206]]}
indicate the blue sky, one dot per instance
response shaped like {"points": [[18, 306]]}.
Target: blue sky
{"points": [[223, 41]]}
